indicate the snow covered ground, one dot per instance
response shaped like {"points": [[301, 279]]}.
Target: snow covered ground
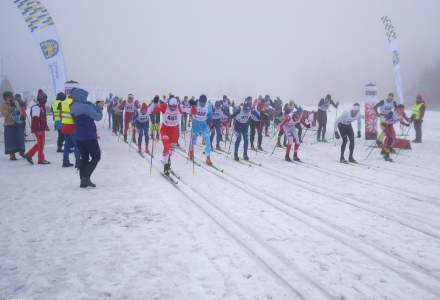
{"points": [[318, 230]]}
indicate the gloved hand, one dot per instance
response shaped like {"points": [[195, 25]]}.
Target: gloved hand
{"points": [[359, 134], [337, 136]]}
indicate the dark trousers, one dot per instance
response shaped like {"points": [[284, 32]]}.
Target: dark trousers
{"points": [[256, 127], [300, 130], [321, 117], [265, 122], [60, 140], [117, 123], [347, 133], [418, 129], [109, 115], [241, 130], [183, 122], [216, 130], [90, 154]]}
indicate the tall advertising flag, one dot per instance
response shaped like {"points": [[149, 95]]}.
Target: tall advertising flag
{"points": [[392, 40], [42, 28]]}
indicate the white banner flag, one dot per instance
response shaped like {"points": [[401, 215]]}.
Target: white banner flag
{"points": [[42, 28], [392, 37]]}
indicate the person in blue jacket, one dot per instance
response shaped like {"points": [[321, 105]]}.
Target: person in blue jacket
{"points": [[141, 120], [85, 114], [241, 118], [201, 111]]}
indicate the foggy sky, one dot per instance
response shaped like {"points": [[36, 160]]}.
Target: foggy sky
{"points": [[289, 48]]}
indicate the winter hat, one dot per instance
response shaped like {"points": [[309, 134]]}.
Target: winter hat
{"points": [[144, 106], [356, 107], [172, 103], [203, 98], [41, 96], [7, 94], [61, 96], [419, 97], [79, 95], [130, 96]]}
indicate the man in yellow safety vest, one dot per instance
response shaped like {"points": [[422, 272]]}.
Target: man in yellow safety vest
{"points": [[418, 113], [68, 126], [56, 110]]}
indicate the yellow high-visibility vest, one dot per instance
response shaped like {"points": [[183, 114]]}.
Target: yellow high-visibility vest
{"points": [[417, 110], [66, 116], [56, 112]]}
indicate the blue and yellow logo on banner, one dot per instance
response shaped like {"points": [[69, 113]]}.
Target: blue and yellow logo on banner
{"points": [[50, 48], [35, 14]]}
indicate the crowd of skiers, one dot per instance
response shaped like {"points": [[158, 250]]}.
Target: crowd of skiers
{"points": [[167, 118]]}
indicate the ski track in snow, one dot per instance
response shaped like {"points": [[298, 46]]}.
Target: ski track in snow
{"points": [[313, 230]]}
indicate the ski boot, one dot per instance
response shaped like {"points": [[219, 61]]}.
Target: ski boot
{"points": [[218, 148], [236, 158], [343, 161], [125, 138], [260, 148], [352, 160], [287, 158], [387, 157], [59, 150], [146, 149], [44, 162], [12, 156], [191, 155], [296, 158], [139, 149], [167, 168], [245, 157], [252, 148], [208, 161], [67, 164]]}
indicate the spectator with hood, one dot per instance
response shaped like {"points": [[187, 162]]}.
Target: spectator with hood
{"points": [[85, 114]]}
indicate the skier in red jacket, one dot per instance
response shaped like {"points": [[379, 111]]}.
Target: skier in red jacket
{"points": [[169, 131]]}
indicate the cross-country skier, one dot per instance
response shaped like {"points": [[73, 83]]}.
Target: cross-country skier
{"points": [[155, 120], [226, 121], [390, 119], [169, 131], [288, 108], [129, 108], [201, 112], [241, 118], [141, 120], [343, 124], [256, 123], [383, 108], [216, 123], [288, 126]]}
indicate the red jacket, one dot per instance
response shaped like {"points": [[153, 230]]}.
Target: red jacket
{"points": [[38, 119]]}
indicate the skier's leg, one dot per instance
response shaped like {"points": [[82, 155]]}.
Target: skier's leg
{"points": [[252, 124], [237, 141], [245, 140], [207, 138], [324, 124], [343, 131], [140, 134], [218, 133], [299, 128], [260, 133], [351, 138], [319, 119]]}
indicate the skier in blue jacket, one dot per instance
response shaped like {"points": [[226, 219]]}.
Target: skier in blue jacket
{"points": [[241, 118], [201, 112], [215, 124]]}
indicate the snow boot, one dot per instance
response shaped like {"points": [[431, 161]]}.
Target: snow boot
{"points": [[67, 164], [260, 148], [208, 161], [245, 157], [387, 157], [29, 159], [343, 161], [89, 183], [83, 183], [352, 160], [287, 158], [12, 156], [236, 158]]}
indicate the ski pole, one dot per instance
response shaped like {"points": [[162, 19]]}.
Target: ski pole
{"points": [[151, 156], [191, 143], [304, 135], [371, 151]]}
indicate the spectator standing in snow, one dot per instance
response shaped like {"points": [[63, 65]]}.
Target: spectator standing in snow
{"points": [[39, 128], [85, 115], [14, 118], [109, 103], [323, 107], [418, 112]]}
